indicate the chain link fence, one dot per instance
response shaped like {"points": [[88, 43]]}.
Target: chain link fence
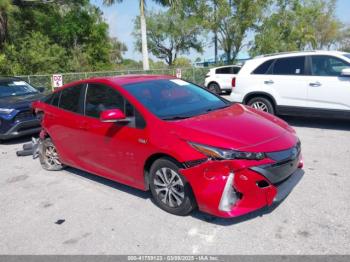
{"points": [[195, 75]]}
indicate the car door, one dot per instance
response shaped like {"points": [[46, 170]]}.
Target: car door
{"points": [[64, 123], [113, 150], [287, 81], [327, 88]]}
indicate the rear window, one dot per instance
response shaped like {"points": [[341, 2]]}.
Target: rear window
{"points": [[70, 99], [263, 68], [223, 70], [289, 66]]}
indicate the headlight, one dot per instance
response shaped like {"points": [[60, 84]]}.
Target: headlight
{"points": [[219, 153], [6, 111]]}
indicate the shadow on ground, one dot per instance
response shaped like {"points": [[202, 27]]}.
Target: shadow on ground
{"points": [[110, 183], [322, 123]]}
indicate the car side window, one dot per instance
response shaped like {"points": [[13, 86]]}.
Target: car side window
{"points": [[223, 71], [70, 99], [327, 66], [235, 70], [289, 66], [263, 68], [100, 98]]}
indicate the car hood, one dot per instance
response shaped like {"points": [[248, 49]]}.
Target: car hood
{"points": [[18, 102], [237, 127]]}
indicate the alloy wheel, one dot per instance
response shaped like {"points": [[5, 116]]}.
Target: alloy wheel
{"points": [[169, 187], [51, 156], [260, 106]]}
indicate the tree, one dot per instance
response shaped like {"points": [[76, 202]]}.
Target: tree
{"points": [[74, 31], [143, 26], [231, 20], [170, 34], [297, 25]]}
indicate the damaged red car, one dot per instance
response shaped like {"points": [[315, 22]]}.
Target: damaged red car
{"points": [[188, 146]]}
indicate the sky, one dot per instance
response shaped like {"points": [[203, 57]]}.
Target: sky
{"points": [[121, 16]]}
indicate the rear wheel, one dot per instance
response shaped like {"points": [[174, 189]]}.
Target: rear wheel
{"points": [[48, 156], [262, 104], [170, 190], [214, 88]]}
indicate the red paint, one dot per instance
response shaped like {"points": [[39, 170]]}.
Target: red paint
{"points": [[120, 153]]}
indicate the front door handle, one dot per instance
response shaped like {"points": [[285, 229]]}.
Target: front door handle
{"points": [[268, 82], [315, 84]]}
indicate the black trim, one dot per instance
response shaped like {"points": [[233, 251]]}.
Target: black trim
{"points": [[287, 186], [313, 112]]}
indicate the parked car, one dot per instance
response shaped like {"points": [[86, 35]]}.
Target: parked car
{"points": [[315, 83], [188, 146], [221, 79], [16, 116]]}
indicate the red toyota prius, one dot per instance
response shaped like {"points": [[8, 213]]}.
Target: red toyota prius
{"points": [[188, 146]]}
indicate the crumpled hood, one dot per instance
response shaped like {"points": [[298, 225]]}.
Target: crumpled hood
{"points": [[237, 127], [19, 102]]}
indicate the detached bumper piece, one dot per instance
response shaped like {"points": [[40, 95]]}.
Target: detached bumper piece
{"points": [[31, 148]]}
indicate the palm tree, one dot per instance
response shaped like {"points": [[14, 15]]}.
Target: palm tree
{"points": [[143, 25]]}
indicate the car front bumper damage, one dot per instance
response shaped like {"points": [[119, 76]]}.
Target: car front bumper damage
{"points": [[231, 188]]}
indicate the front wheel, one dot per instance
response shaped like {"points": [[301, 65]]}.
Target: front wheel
{"points": [[48, 156], [170, 190], [262, 104]]}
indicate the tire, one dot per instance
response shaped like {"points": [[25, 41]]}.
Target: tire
{"points": [[262, 103], [48, 156], [170, 190], [214, 88]]}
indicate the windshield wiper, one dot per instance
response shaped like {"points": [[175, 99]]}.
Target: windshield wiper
{"points": [[213, 109], [176, 117]]}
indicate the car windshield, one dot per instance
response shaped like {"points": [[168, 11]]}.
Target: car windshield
{"points": [[15, 88], [172, 99], [347, 56]]}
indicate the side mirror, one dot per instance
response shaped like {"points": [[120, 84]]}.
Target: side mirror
{"points": [[112, 116], [345, 72], [41, 89]]}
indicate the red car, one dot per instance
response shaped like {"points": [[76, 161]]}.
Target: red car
{"points": [[187, 145]]}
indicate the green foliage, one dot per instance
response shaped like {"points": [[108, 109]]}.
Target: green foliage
{"points": [[170, 34], [298, 25], [182, 62], [58, 36]]}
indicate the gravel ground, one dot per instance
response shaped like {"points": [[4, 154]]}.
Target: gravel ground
{"points": [[73, 212]]}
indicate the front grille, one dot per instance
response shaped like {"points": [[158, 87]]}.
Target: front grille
{"points": [[284, 156], [24, 115], [287, 162]]}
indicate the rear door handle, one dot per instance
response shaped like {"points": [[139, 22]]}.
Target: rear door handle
{"points": [[268, 82], [315, 84]]}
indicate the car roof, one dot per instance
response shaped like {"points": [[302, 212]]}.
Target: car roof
{"points": [[214, 68], [300, 53], [129, 79]]}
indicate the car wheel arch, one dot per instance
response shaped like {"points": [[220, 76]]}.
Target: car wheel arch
{"points": [[149, 162], [251, 95], [214, 82]]}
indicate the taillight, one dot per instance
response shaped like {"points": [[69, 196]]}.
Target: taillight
{"points": [[233, 83]]}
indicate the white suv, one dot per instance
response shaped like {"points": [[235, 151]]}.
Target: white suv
{"points": [[220, 79], [314, 83]]}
